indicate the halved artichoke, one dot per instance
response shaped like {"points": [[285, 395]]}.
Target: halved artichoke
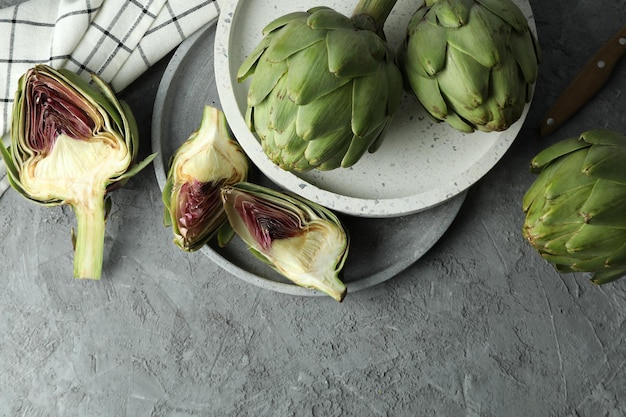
{"points": [[208, 160], [303, 241], [72, 144]]}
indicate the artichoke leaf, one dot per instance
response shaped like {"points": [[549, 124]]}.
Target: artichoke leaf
{"points": [[309, 78], [283, 20], [452, 13], [558, 149], [602, 137], [325, 18], [353, 53], [313, 121], [293, 38], [484, 39], [523, 48], [605, 205], [606, 162], [508, 11]]}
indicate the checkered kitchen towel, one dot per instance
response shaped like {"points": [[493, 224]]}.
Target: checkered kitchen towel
{"points": [[116, 39]]}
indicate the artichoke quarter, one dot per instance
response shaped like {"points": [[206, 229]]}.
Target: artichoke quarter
{"points": [[208, 160], [72, 143], [576, 208], [471, 63], [324, 86], [301, 240]]}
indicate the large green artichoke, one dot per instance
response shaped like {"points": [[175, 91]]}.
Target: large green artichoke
{"points": [[72, 143], [576, 208], [325, 86], [471, 63]]}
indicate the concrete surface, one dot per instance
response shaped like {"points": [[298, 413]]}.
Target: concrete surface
{"points": [[480, 326]]}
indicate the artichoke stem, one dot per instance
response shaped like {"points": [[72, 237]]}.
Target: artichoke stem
{"points": [[89, 245], [372, 14]]}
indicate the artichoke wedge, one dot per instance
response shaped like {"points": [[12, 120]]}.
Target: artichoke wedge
{"points": [[72, 144], [208, 160], [324, 86], [471, 63], [301, 240], [576, 208]]}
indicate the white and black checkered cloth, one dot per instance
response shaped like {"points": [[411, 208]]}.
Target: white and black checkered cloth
{"points": [[116, 39]]}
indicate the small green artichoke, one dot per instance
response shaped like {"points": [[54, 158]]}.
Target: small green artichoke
{"points": [[471, 63], [325, 86], [576, 208]]}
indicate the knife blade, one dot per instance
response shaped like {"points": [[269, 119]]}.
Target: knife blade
{"points": [[586, 84]]}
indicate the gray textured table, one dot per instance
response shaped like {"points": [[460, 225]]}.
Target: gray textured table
{"points": [[480, 326]]}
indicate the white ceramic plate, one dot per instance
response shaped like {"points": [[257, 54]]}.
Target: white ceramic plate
{"points": [[380, 248], [419, 165]]}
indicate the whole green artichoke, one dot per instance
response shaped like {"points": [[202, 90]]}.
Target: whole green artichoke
{"points": [[325, 86], [471, 63], [576, 208]]}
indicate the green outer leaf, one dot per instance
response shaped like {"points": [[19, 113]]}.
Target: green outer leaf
{"points": [[353, 53], [284, 20], [464, 79], [368, 94], [603, 137], [483, 38], [524, 48], [308, 78], [323, 148], [248, 66], [293, 38], [606, 204], [431, 60], [604, 277], [452, 13], [266, 77], [508, 11], [557, 150], [328, 113], [606, 161], [591, 240], [360, 145], [429, 95], [326, 18]]}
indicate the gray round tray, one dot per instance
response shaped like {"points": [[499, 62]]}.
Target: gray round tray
{"points": [[380, 248]]}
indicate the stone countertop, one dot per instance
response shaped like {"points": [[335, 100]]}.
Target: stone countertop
{"points": [[479, 326]]}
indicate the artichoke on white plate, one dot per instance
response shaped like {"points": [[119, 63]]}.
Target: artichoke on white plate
{"points": [[207, 161], [324, 86], [576, 208], [72, 143], [471, 63], [302, 240]]}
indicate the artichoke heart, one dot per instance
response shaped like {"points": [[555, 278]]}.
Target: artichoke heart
{"points": [[72, 144], [207, 161], [324, 86], [470, 63], [301, 240], [576, 208]]}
